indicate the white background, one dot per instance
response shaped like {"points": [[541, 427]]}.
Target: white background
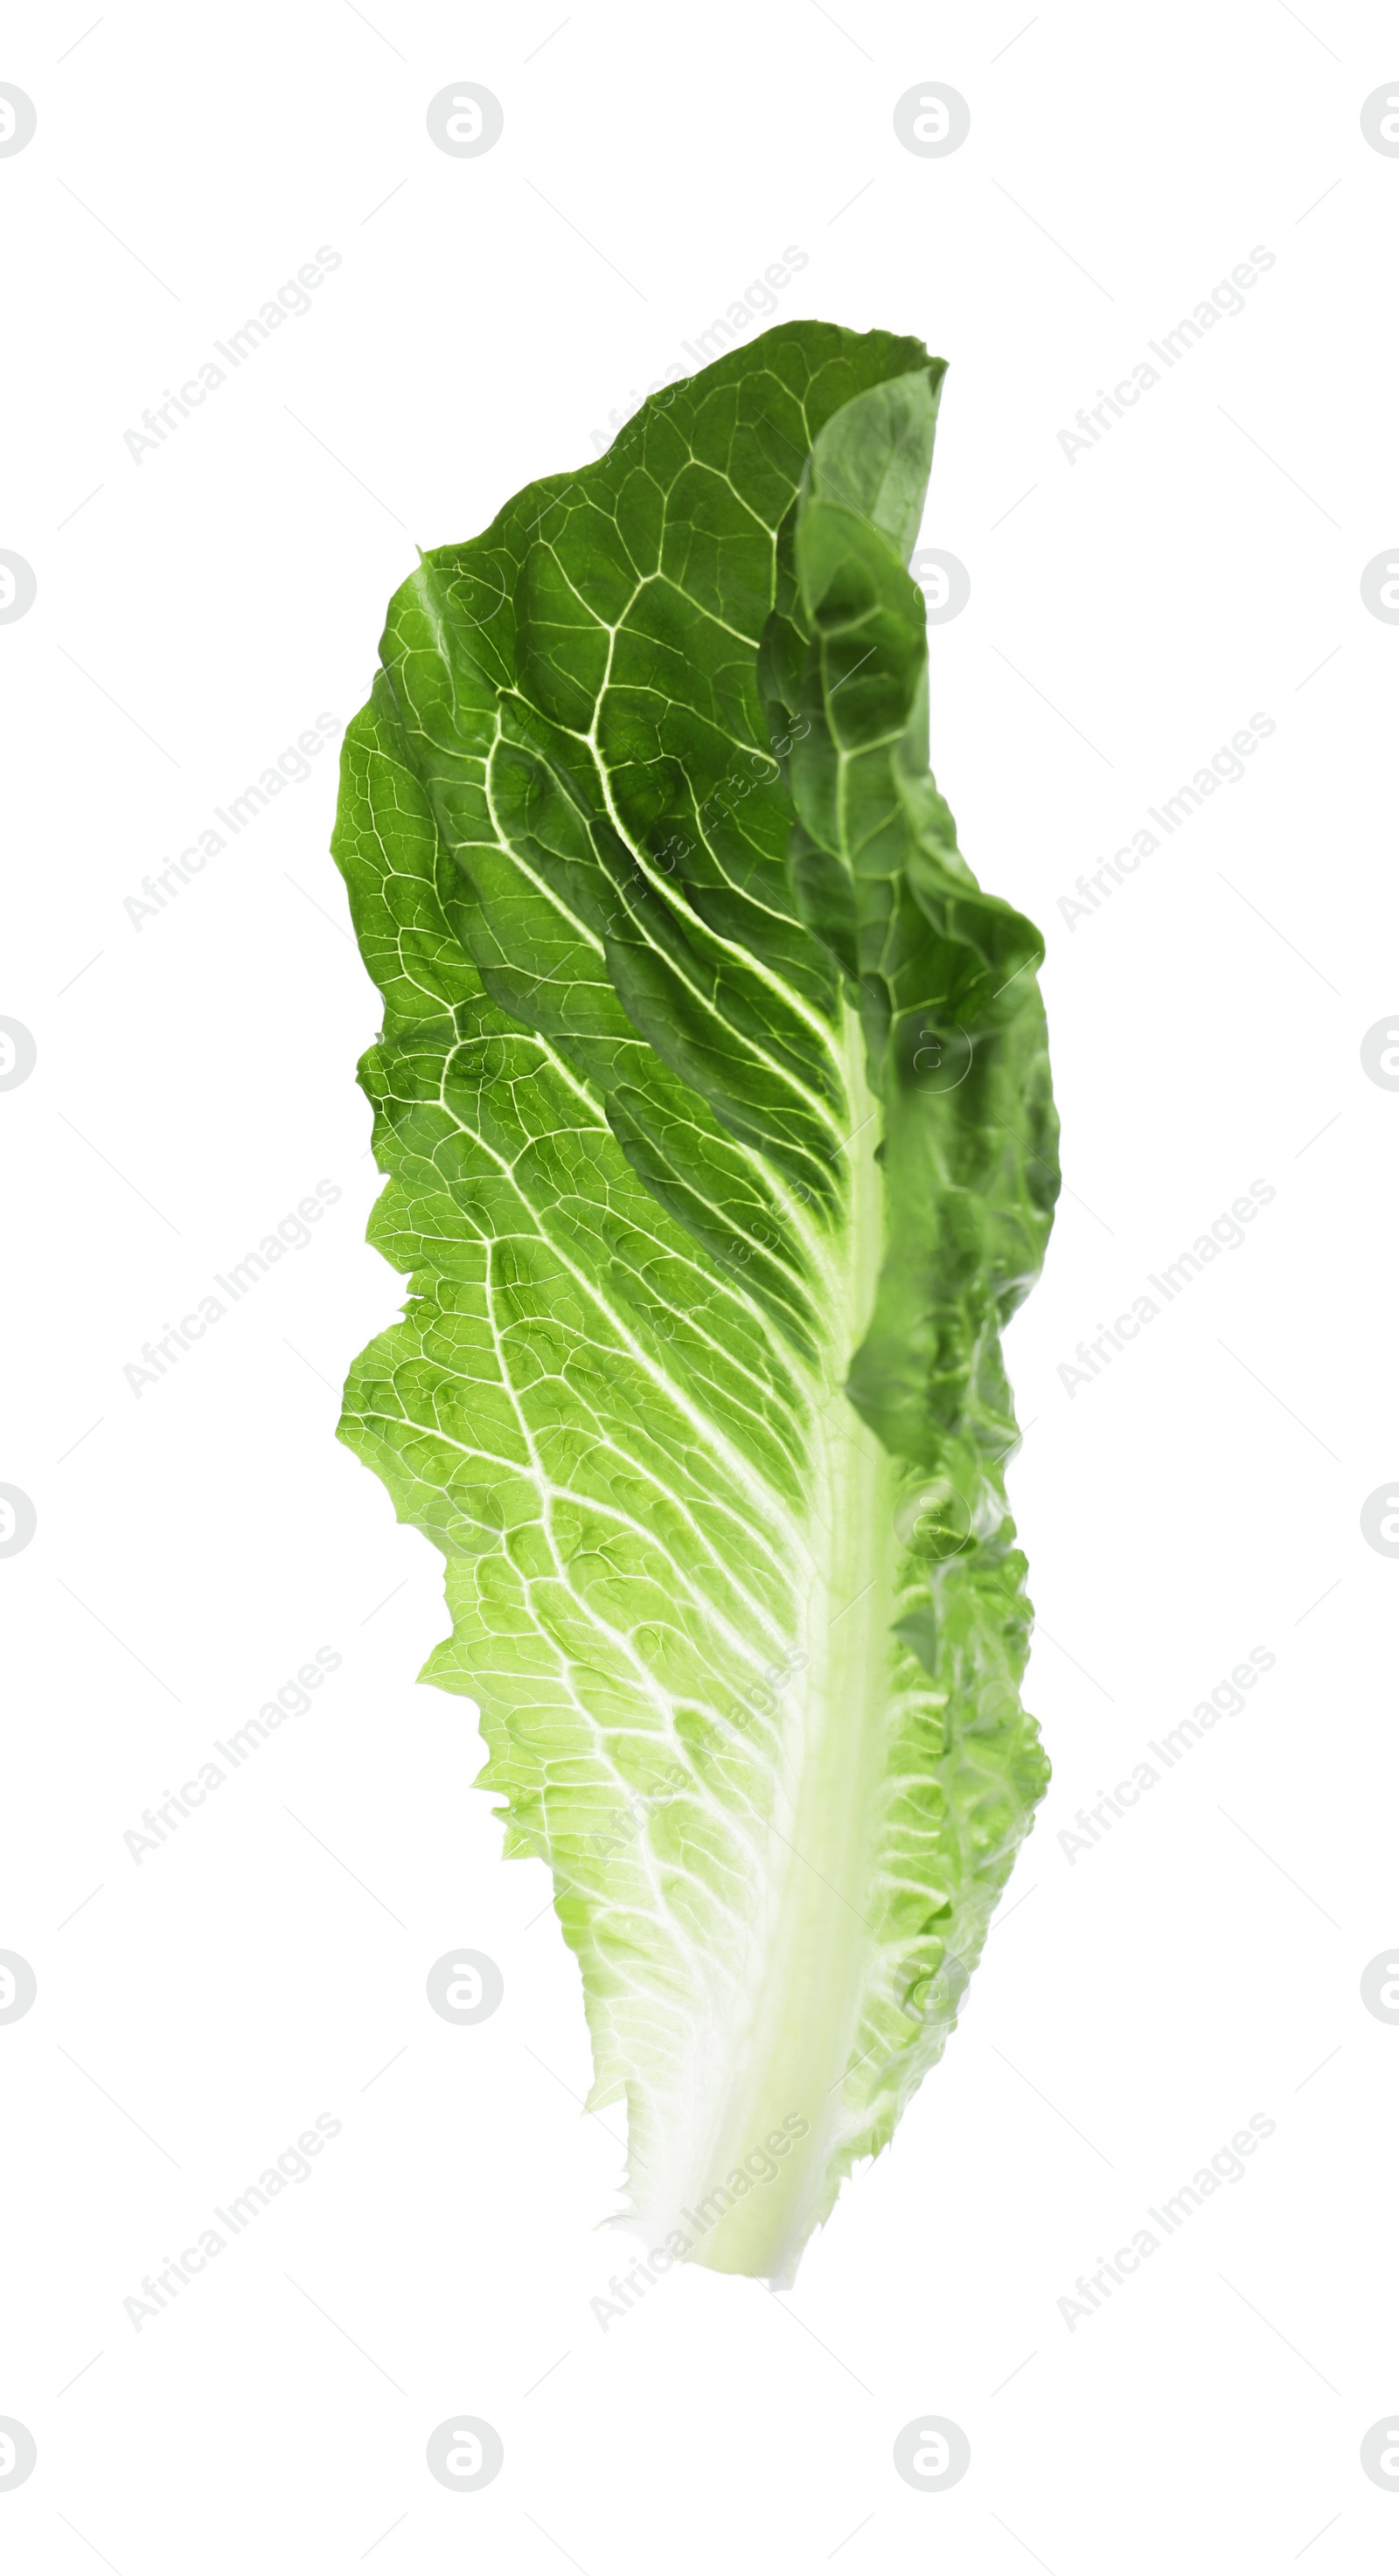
{"points": [[195, 1544]]}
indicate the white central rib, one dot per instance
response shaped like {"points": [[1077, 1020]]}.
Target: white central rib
{"points": [[798, 2007]]}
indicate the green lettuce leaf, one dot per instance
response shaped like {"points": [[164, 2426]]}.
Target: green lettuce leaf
{"points": [[714, 1102]]}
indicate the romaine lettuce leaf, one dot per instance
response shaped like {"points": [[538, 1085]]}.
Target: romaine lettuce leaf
{"points": [[714, 1102]]}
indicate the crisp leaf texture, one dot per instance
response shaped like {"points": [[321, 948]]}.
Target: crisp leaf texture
{"points": [[714, 1102]]}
